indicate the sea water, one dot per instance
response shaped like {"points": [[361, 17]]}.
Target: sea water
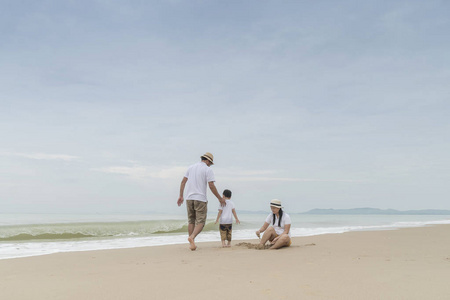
{"points": [[24, 235]]}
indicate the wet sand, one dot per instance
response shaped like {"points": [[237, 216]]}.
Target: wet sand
{"points": [[412, 263]]}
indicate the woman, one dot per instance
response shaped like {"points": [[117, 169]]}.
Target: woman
{"points": [[278, 234]]}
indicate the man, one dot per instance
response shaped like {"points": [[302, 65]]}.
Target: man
{"points": [[197, 177]]}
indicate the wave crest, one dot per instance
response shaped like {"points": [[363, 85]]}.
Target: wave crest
{"points": [[76, 231]]}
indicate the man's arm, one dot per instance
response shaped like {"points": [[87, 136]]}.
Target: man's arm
{"points": [[182, 185], [213, 189]]}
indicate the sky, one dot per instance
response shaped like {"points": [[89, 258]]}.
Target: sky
{"points": [[321, 104]]}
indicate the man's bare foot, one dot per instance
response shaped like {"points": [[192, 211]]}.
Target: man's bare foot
{"points": [[260, 247], [192, 246]]}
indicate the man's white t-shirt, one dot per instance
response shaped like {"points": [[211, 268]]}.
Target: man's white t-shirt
{"points": [[198, 176], [227, 212], [285, 220]]}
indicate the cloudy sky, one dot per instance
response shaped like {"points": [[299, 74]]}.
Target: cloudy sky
{"points": [[322, 104]]}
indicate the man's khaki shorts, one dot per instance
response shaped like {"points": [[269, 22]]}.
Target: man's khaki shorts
{"points": [[197, 211]]}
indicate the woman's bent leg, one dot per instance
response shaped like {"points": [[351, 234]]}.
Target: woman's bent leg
{"points": [[268, 235], [283, 241]]}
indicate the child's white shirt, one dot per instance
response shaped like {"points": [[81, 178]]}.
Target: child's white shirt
{"points": [[227, 212]]}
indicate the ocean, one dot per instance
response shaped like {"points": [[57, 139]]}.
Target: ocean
{"points": [[23, 235]]}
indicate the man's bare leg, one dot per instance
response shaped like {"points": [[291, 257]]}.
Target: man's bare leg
{"points": [[197, 229], [191, 228]]}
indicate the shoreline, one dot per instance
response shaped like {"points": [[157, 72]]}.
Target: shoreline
{"points": [[34, 236], [407, 263], [107, 239]]}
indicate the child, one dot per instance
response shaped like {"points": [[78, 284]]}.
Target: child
{"points": [[226, 219]]}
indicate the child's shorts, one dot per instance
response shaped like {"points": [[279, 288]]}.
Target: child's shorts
{"points": [[225, 232]]}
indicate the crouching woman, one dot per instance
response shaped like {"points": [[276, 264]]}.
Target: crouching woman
{"points": [[276, 228]]}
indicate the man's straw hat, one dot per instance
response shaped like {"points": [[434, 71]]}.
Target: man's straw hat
{"points": [[208, 156]]}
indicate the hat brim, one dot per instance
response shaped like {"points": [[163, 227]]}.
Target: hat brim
{"points": [[207, 157], [276, 205]]}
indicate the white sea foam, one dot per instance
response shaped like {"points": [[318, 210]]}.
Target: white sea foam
{"points": [[29, 238]]}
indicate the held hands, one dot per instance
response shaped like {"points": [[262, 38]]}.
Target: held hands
{"points": [[222, 202], [237, 221], [258, 233], [180, 201]]}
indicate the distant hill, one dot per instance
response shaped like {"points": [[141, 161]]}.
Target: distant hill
{"points": [[250, 212], [375, 211]]}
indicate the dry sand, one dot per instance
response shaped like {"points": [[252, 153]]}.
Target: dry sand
{"points": [[411, 263]]}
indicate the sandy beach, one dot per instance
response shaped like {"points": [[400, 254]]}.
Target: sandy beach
{"points": [[412, 263]]}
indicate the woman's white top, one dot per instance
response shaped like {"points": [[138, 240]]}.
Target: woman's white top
{"points": [[285, 220]]}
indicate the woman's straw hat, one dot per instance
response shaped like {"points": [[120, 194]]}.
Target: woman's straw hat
{"points": [[208, 156], [276, 203]]}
